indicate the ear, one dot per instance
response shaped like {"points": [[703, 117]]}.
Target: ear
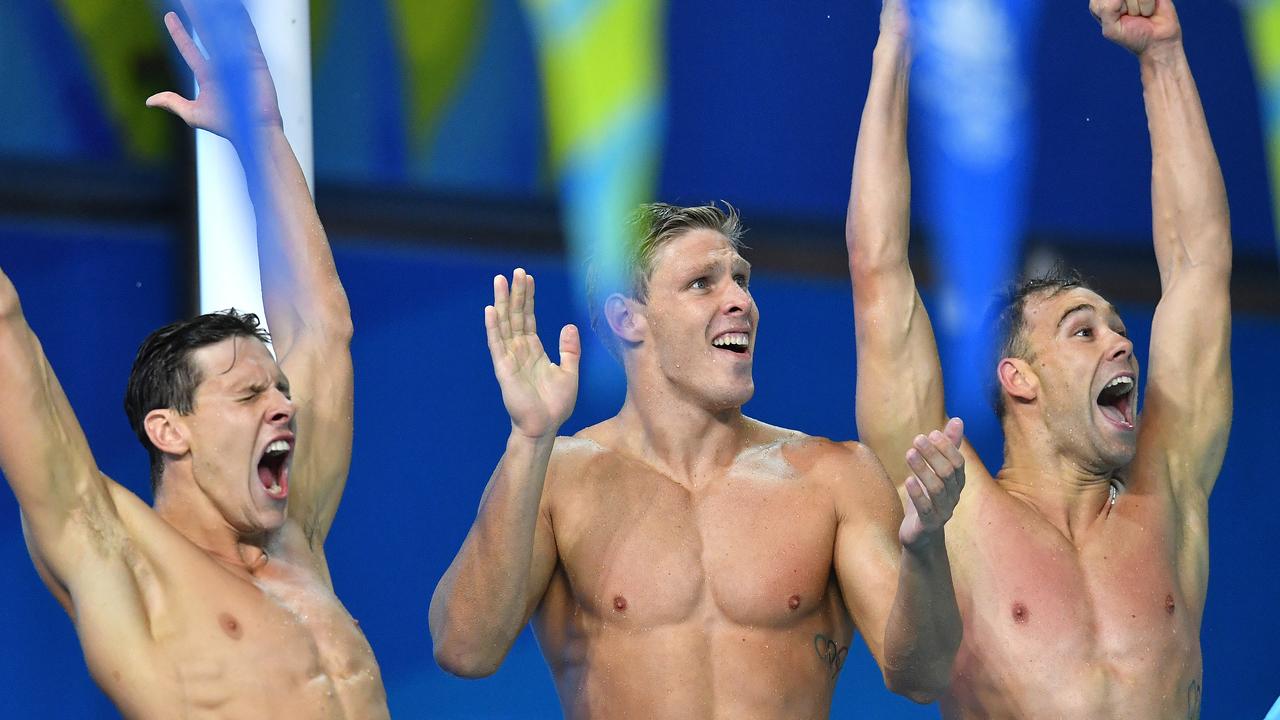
{"points": [[624, 318], [1018, 379], [166, 432]]}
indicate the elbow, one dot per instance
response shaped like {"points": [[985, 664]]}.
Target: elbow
{"points": [[455, 659], [459, 649], [921, 686]]}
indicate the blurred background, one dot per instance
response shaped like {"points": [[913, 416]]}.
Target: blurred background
{"points": [[455, 139]]}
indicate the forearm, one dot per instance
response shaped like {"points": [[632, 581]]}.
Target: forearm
{"points": [[878, 223], [1188, 197], [481, 603], [300, 284], [924, 628]]}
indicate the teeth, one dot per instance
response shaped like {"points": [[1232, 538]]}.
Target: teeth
{"points": [[731, 339], [1122, 380], [278, 447]]}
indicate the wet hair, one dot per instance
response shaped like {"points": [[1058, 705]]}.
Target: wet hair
{"points": [[650, 228], [164, 376], [1011, 322]]}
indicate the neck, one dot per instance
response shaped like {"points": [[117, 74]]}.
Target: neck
{"points": [[679, 437], [180, 503], [1063, 490]]}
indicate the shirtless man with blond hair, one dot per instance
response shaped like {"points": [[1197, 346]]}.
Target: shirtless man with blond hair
{"points": [[216, 602], [681, 560], [1081, 566]]}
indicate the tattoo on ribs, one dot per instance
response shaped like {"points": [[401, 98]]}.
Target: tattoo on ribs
{"points": [[830, 653], [1193, 700]]}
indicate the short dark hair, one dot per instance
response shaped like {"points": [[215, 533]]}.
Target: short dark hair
{"points": [[652, 226], [163, 375], [1011, 321]]}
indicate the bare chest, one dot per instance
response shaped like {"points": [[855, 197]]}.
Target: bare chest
{"points": [[643, 551], [281, 641], [1100, 617]]}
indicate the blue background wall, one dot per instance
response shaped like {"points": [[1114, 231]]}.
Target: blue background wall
{"points": [[762, 109], [430, 425]]}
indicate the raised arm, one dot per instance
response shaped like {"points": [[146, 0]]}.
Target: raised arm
{"points": [[306, 306], [1187, 410], [1186, 413], [504, 566], [899, 589], [69, 515], [899, 390]]}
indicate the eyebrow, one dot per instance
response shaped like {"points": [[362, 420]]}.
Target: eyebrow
{"points": [[1076, 309]]}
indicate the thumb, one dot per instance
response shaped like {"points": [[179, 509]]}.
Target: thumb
{"points": [[173, 103], [954, 431], [570, 348]]}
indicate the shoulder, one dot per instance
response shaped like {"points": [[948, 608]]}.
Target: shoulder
{"points": [[814, 456]]}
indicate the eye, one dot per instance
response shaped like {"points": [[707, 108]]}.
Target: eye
{"points": [[1084, 332], [701, 283], [742, 280]]}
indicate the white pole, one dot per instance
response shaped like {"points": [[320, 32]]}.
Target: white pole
{"points": [[227, 235]]}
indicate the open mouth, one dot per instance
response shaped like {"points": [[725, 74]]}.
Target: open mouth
{"points": [[1116, 401], [735, 342], [273, 471]]}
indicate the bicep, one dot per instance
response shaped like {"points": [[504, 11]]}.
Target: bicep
{"points": [[542, 562], [45, 456], [321, 381], [1188, 402], [899, 388], [867, 552]]}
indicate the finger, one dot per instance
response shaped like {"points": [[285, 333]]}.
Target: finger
{"points": [[954, 430], [530, 320], [944, 465], [173, 103], [925, 473], [947, 443], [186, 46], [500, 305], [919, 498], [1131, 8], [518, 291], [1147, 7], [570, 348], [497, 347]]}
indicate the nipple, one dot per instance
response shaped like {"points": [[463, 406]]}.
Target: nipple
{"points": [[793, 602], [1020, 613], [619, 603], [230, 626]]}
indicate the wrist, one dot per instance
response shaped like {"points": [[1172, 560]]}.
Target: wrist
{"points": [[536, 442], [926, 544]]}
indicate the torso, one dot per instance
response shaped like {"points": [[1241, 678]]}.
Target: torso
{"points": [[225, 643], [1101, 627], [711, 601]]}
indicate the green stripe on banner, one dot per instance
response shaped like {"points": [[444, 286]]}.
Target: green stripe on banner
{"points": [[1262, 28], [125, 53], [437, 43]]}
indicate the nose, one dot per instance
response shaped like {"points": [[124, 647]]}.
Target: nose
{"points": [[1123, 348], [737, 300], [281, 409]]}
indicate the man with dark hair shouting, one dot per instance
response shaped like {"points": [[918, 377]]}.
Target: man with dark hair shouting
{"points": [[216, 601], [1081, 566], [681, 560]]}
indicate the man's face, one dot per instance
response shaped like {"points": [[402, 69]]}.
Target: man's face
{"points": [[702, 320], [1088, 376], [241, 434]]}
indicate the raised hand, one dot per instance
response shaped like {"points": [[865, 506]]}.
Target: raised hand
{"points": [[234, 36], [539, 395], [1137, 25], [937, 477]]}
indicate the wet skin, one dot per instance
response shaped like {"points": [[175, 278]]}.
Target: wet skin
{"points": [[198, 626]]}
